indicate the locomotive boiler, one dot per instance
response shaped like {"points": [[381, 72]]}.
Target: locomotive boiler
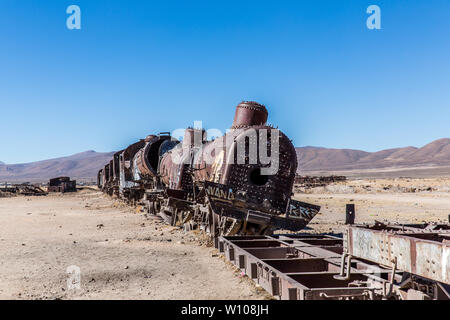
{"points": [[238, 183]]}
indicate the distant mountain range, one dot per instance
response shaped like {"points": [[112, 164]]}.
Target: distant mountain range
{"points": [[82, 166], [433, 156], [430, 160]]}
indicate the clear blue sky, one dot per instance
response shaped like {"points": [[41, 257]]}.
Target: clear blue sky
{"points": [[139, 67]]}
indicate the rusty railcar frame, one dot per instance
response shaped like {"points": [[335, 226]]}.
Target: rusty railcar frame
{"points": [[311, 266]]}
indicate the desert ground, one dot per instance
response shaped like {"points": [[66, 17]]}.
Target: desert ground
{"points": [[124, 254], [398, 200], [121, 253]]}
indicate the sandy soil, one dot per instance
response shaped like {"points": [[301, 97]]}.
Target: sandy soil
{"points": [[394, 200], [120, 253], [124, 255]]}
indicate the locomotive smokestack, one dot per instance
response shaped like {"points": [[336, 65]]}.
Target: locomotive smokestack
{"points": [[149, 138], [249, 113], [194, 137]]}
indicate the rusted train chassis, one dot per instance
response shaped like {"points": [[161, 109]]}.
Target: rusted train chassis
{"points": [[217, 210], [368, 263]]}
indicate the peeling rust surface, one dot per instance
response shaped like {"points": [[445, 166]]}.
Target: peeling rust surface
{"points": [[419, 253]]}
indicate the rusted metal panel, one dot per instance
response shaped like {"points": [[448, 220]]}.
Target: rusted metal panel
{"points": [[423, 254], [100, 179], [380, 248], [128, 154], [111, 171], [433, 260], [116, 165]]}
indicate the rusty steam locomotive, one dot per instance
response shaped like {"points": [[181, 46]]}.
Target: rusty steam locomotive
{"points": [[239, 183]]}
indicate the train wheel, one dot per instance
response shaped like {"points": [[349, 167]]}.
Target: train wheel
{"points": [[256, 229], [151, 207], [189, 226], [157, 205], [230, 226], [212, 223], [209, 224], [181, 217], [154, 207], [167, 216], [175, 217], [185, 216], [207, 220]]}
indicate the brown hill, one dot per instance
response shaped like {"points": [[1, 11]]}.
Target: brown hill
{"points": [[80, 166], [313, 158], [434, 154], [85, 165]]}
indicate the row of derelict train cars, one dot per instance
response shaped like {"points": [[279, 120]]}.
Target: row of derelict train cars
{"points": [[221, 187], [198, 183]]}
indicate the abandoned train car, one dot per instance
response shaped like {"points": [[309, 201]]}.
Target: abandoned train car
{"points": [[62, 184], [239, 183]]}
